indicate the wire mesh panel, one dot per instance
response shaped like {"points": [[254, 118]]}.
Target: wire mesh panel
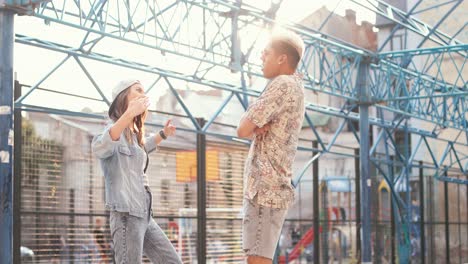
{"points": [[63, 215], [172, 179], [225, 169], [64, 239], [224, 241], [62, 206], [64, 220]]}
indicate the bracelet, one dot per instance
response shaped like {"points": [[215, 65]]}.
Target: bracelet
{"points": [[161, 133]]}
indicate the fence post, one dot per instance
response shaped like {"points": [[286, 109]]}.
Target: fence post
{"points": [[201, 194]]}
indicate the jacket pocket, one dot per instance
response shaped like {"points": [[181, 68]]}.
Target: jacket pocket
{"points": [[125, 150]]}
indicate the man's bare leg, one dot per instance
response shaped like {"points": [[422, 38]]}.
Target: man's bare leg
{"points": [[258, 260]]}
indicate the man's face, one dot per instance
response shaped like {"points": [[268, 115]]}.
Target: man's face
{"points": [[270, 59]]}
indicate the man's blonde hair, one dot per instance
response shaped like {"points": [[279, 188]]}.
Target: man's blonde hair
{"points": [[286, 41]]}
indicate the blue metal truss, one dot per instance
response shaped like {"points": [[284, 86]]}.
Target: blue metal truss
{"points": [[209, 33], [322, 55], [167, 76], [408, 21]]}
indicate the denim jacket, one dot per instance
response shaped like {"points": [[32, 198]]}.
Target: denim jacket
{"points": [[122, 163]]}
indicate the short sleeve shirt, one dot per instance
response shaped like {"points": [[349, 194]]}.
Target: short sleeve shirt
{"points": [[268, 169]]}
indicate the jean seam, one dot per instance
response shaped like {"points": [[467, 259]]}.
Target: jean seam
{"points": [[124, 219], [259, 230]]}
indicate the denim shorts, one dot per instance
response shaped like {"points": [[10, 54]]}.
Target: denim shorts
{"points": [[261, 229]]}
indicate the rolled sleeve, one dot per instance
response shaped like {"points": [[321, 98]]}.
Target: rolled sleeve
{"points": [[269, 104], [103, 146], [150, 143]]}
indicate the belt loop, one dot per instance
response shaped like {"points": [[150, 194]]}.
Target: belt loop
{"points": [[147, 188]]}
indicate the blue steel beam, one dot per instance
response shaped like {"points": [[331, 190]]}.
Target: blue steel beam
{"points": [[316, 134], [342, 125], [415, 52], [181, 102], [398, 26], [408, 22], [6, 135], [423, 93], [220, 109], [364, 167], [21, 99], [332, 13], [433, 30], [462, 29], [435, 60], [83, 68], [406, 159], [435, 6], [151, 87], [386, 74]]}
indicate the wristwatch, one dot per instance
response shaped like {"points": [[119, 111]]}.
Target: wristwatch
{"points": [[161, 133]]}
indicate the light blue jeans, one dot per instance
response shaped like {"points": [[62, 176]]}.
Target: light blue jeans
{"points": [[132, 235], [261, 228]]}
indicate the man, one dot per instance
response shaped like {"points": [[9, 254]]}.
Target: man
{"points": [[274, 122]]}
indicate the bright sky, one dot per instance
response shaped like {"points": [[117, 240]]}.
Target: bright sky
{"points": [[32, 64], [296, 10]]}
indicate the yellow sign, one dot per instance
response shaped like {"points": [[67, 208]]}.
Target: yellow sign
{"points": [[186, 166]]}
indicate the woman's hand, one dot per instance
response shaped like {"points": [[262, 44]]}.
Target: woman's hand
{"points": [[169, 129], [135, 107], [138, 105]]}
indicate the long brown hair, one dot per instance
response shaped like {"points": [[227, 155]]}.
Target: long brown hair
{"points": [[118, 108]]}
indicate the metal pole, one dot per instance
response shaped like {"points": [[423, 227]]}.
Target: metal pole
{"points": [[6, 135], [201, 194], [91, 176], [17, 180], [431, 252], [392, 212], [447, 229], [71, 243], [364, 166], [357, 182], [236, 52], [316, 206], [235, 41], [421, 212], [466, 200]]}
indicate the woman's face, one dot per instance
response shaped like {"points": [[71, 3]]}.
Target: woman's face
{"points": [[135, 91]]}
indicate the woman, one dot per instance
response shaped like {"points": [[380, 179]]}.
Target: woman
{"points": [[122, 150]]}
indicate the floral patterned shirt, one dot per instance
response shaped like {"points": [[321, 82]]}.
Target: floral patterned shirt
{"points": [[268, 169]]}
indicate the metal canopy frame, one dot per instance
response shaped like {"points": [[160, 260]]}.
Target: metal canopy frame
{"points": [[378, 84]]}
